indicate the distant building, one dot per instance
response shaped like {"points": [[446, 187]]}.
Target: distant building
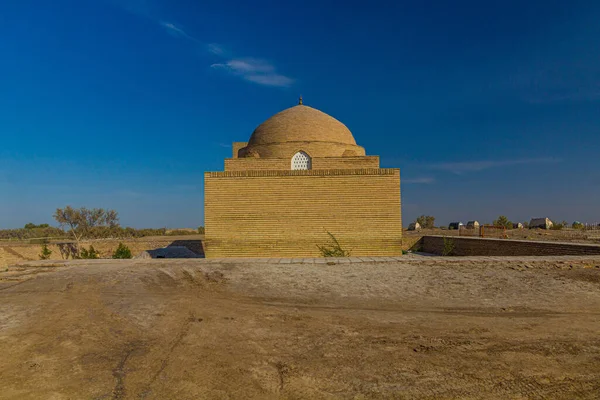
{"points": [[414, 226], [455, 225], [542, 223], [517, 225], [472, 224]]}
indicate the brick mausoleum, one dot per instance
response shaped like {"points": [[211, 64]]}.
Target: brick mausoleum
{"points": [[300, 176]]}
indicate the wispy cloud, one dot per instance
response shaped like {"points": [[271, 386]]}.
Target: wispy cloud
{"points": [[255, 70], [473, 166], [422, 180], [216, 49], [177, 31], [250, 69]]}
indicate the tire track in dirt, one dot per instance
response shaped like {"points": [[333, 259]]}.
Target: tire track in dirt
{"points": [[183, 331], [119, 373]]}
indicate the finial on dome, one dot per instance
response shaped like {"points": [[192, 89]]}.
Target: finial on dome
{"points": [[300, 101]]}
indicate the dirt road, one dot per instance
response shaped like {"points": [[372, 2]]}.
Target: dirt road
{"points": [[423, 327]]}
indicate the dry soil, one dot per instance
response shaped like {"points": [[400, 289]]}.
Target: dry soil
{"points": [[423, 327]]}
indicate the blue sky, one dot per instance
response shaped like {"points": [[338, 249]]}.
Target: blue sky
{"points": [[488, 108]]}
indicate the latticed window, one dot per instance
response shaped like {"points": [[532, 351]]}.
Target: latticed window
{"points": [[301, 160]]}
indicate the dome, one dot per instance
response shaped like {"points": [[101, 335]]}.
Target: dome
{"points": [[301, 124], [301, 128]]}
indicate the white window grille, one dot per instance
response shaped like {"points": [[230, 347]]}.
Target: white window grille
{"points": [[300, 161]]}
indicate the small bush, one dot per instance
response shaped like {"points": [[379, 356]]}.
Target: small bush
{"points": [[122, 252], [449, 246], [201, 230], [46, 253], [334, 249], [578, 225], [90, 254]]}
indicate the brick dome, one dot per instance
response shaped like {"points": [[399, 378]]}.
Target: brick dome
{"points": [[301, 128]]}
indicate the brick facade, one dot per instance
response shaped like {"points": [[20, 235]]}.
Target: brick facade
{"points": [[284, 213], [259, 164]]}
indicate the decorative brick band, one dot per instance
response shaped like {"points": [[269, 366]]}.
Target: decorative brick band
{"points": [[315, 172]]}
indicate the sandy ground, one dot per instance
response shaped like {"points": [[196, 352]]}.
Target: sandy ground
{"points": [[423, 327]]}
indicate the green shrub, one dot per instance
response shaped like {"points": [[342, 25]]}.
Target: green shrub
{"points": [[503, 222], [90, 254], [46, 253], [122, 252], [449, 246], [201, 230], [334, 249], [578, 225]]}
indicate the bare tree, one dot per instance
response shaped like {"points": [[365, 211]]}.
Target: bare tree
{"points": [[81, 220]]}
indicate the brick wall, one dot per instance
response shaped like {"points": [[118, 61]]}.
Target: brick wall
{"points": [[288, 213], [257, 164], [269, 164], [501, 247], [345, 162]]}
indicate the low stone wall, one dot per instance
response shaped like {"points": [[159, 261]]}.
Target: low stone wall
{"points": [[466, 246]]}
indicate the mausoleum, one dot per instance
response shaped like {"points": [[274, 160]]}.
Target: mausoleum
{"points": [[299, 177]]}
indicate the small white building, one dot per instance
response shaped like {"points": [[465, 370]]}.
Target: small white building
{"points": [[472, 224], [455, 225], [541, 223], [517, 225], [414, 226]]}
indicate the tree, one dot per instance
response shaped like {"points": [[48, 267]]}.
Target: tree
{"points": [[81, 220], [426, 221], [503, 222]]}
